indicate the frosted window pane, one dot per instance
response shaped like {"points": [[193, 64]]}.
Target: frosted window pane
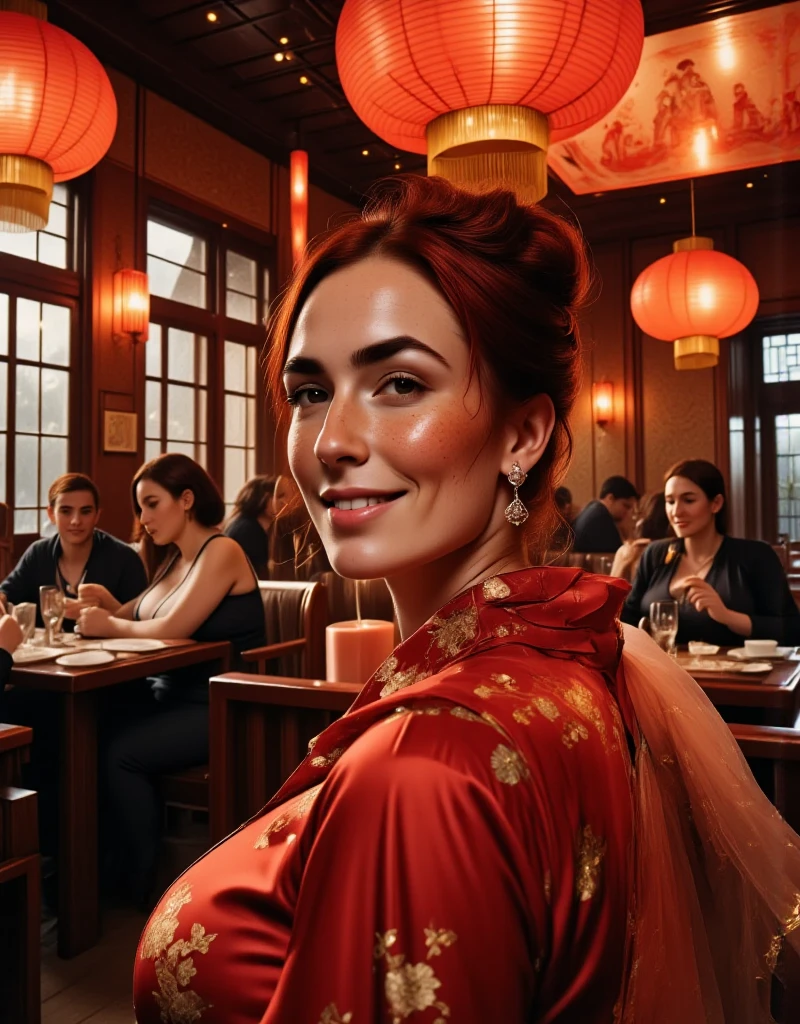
{"points": [[3, 324], [28, 314], [234, 472], [202, 360], [25, 520], [183, 448], [26, 469], [251, 422], [55, 334], [251, 370], [152, 407], [234, 366], [202, 415], [55, 402], [235, 420], [241, 273], [3, 443], [251, 462], [152, 353], [52, 250], [180, 357], [60, 193], [176, 283], [27, 398], [181, 247], [21, 243], [180, 413], [57, 220], [3, 396], [202, 455], [151, 450], [241, 307], [781, 355], [54, 461]]}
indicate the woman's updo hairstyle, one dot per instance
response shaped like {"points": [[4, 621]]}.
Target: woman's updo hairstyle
{"points": [[515, 276]]}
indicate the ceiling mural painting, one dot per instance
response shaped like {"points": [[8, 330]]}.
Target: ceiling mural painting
{"points": [[720, 96]]}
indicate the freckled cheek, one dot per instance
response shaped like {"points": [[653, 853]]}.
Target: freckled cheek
{"points": [[436, 438]]}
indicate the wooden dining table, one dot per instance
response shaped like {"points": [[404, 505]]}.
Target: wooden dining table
{"points": [[79, 688], [776, 692]]}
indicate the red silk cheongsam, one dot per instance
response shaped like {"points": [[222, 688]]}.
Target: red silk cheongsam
{"points": [[456, 848]]}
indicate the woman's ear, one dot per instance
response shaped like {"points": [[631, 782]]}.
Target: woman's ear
{"points": [[717, 504], [188, 500], [528, 433]]}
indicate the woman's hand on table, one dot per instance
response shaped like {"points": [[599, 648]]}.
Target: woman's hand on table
{"points": [[95, 622], [704, 598], [74, 606], [95, 594], [10, 634]]}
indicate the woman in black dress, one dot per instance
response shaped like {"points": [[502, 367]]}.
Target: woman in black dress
{"points": [[249, 525], [728, 588]]}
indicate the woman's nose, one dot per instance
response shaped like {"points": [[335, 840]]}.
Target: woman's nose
{"points": [[343, 437]]}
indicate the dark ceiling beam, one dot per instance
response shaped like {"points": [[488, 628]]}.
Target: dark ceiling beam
{"points": [[119, 38]]}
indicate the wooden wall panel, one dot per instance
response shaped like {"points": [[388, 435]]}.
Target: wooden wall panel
{"points": [[123, 147], [769, 249]]}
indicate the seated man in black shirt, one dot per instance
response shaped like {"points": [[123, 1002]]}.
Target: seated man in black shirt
{"points": [[597, 527], [79, 555]]}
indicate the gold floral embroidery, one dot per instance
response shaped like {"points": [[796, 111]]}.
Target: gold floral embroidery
{"points": [[326, 760], [791, 923], [495, 589], [507, 765], [501, 631], [411, 988], [307, 799], [312, 743], [453, 633], [300, 808], [774, 951], [484, 692], [793, 920], [505, 680], [580, 698], [591, 851], [546, 707], [174, 966], [573, 733], [330, 1015], [262, 842], [466, 714], [395, 680]]}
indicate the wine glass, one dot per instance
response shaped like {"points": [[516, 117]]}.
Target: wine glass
{"points": [[51, 603], [664, 624], [25, 614]]}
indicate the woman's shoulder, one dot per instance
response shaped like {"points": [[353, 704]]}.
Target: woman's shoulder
{"points": [[746, 549]]}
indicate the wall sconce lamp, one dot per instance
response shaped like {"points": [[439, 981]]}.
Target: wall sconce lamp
{"points": [[131, 304], [603, 403], [298, 203]]}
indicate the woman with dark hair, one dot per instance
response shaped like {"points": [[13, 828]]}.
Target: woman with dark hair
{"points": [[729, 588], [202, 587], [650, 524], [460, 845], [250, 522]]}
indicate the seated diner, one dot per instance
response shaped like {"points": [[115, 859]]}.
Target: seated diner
{"points": [[251, 520], [728, 588]]}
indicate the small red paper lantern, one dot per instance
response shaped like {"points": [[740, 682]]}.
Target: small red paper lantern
{"points": [[694, 297], [481, 87], [298, 203], [131, 293], [603, 402], [58, 115]]}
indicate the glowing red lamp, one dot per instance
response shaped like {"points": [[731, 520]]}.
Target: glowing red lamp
{"points": [[131, 293], [298, 203], [58, 113], [603, 402], [482, 87], [694, 297]]}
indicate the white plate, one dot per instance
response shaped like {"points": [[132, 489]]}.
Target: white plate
{"points": [[85, 658], [27, 655], [705, 664], [757, 666], [132, 645], [741, 654]]}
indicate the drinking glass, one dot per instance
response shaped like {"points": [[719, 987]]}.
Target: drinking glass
{"points": [[25, 614], [51, 603], [664, 624]]}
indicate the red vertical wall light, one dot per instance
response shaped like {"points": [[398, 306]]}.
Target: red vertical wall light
{"points": [[131, 304], [603, 402], [298, 183]]}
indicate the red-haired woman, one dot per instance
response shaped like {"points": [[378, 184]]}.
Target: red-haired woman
{"points": [[469, 842]]}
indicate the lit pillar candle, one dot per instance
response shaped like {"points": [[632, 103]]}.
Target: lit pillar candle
{"points": [[355, 649]]}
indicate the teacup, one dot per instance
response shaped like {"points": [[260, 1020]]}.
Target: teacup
{"points": [[760, 648]]}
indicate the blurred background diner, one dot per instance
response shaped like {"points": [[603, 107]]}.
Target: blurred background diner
{"points": [[134, 287]]}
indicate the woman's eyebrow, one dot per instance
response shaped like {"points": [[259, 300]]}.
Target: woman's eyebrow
{"points": [[367, 356]]}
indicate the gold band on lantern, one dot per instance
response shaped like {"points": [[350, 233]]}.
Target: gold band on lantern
{"points": [[494, 146], [692, 244], [35, 8], [26, 188], [696, 352]]}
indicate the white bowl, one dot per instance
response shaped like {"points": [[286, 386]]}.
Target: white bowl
{"points": [[760, 648], [698, 647]]}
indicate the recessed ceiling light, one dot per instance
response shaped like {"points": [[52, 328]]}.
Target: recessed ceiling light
{"points": [[662, 200], [211, 16], [766, 175], [278, 56], [749, 184], [398, 167], [283, 40], [304, 80], [224, 225], [290, 56], [365, 152]]}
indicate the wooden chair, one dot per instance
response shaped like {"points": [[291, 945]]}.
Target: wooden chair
{"points": [[6, 540], [374, 599], [20, 896], [260, 730]]}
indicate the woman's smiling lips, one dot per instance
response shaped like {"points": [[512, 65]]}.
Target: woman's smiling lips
{"points": [[353, 506]]}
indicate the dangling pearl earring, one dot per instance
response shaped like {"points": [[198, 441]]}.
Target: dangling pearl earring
{"points": [[516, 513]]}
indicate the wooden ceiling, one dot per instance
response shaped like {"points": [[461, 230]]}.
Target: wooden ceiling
{"points": [[224, 71]]}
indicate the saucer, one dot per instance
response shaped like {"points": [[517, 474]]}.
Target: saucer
{"points": [[741, 654], [132, 645], [84, 659], [756, 666]]}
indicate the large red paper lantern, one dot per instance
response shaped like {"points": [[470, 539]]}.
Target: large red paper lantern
{"points": [[694, 297], [298, 202], [481, 86], [58, 115]]}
